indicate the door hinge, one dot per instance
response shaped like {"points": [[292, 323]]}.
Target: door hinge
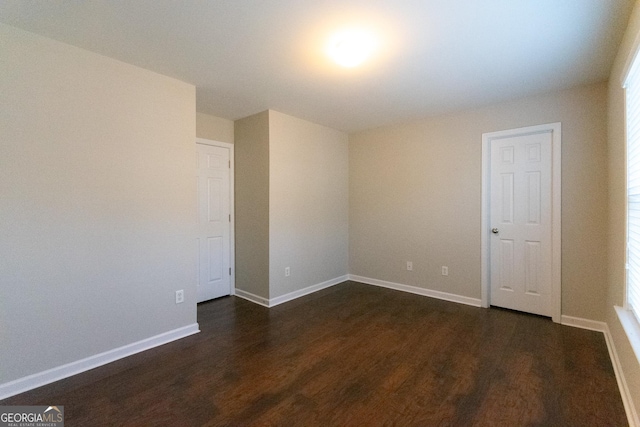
{"points": [[229, 217], [229, 271], [229, 164]]}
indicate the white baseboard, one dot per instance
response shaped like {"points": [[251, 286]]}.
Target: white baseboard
{"points": [[252, 297], [266, 302], [306, 291], [578, 322], [629, 407], [632, 415], [475, 302], [51, 375]]}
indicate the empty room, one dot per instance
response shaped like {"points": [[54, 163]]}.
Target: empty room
{"points": [[331, 213]]}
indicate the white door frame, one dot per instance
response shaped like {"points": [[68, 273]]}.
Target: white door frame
{"points": [[232, 232], [556, 210]]}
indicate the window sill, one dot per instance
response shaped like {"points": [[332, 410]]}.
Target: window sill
{"points": [[632, 329]]}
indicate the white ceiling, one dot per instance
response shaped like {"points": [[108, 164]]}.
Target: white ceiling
{"points": [[437, 56]]}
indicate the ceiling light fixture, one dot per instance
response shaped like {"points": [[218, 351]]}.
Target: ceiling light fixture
{"points": [[351, 48]]}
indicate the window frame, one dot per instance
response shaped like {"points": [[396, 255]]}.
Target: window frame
{"points": [[628, 317]]}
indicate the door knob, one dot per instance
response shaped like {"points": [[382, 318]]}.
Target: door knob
{"points": [[494, 230]]}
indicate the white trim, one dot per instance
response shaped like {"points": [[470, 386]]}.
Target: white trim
{"points": [[556, 221], [306, 291], [485, 259], [631, 328], [232, 230], [626, 318], [252, 297], [578, 322], [475, 302], [556, 215], [266, 302], [55, 374], [625, 302], [625, 394]]}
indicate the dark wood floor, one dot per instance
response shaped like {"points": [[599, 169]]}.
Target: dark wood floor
{"points": [[352, 355]]}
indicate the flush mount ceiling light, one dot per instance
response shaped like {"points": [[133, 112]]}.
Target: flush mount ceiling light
{"points": [[350, 48]]}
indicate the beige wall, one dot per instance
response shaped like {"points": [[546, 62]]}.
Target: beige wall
{"points": [[97, 204], [415, 195], [214, 128], [291, 204], [617, 208], [251, 150], [308, 203]]}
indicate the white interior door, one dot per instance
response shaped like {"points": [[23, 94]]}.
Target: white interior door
{"points": [[214, 222], [521, 214]]}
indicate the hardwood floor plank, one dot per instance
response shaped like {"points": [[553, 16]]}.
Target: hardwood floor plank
{"points": [[353, 355]]}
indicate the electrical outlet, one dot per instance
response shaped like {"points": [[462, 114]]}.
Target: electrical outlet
{"points": [[409, 265], [287, 272], [180, 296], [445, 270]]}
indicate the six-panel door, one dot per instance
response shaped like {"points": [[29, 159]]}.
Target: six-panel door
{"points": [[213, 172], [520, 212]]}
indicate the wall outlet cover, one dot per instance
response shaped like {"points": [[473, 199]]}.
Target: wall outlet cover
{"points": [[180, 296]]}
